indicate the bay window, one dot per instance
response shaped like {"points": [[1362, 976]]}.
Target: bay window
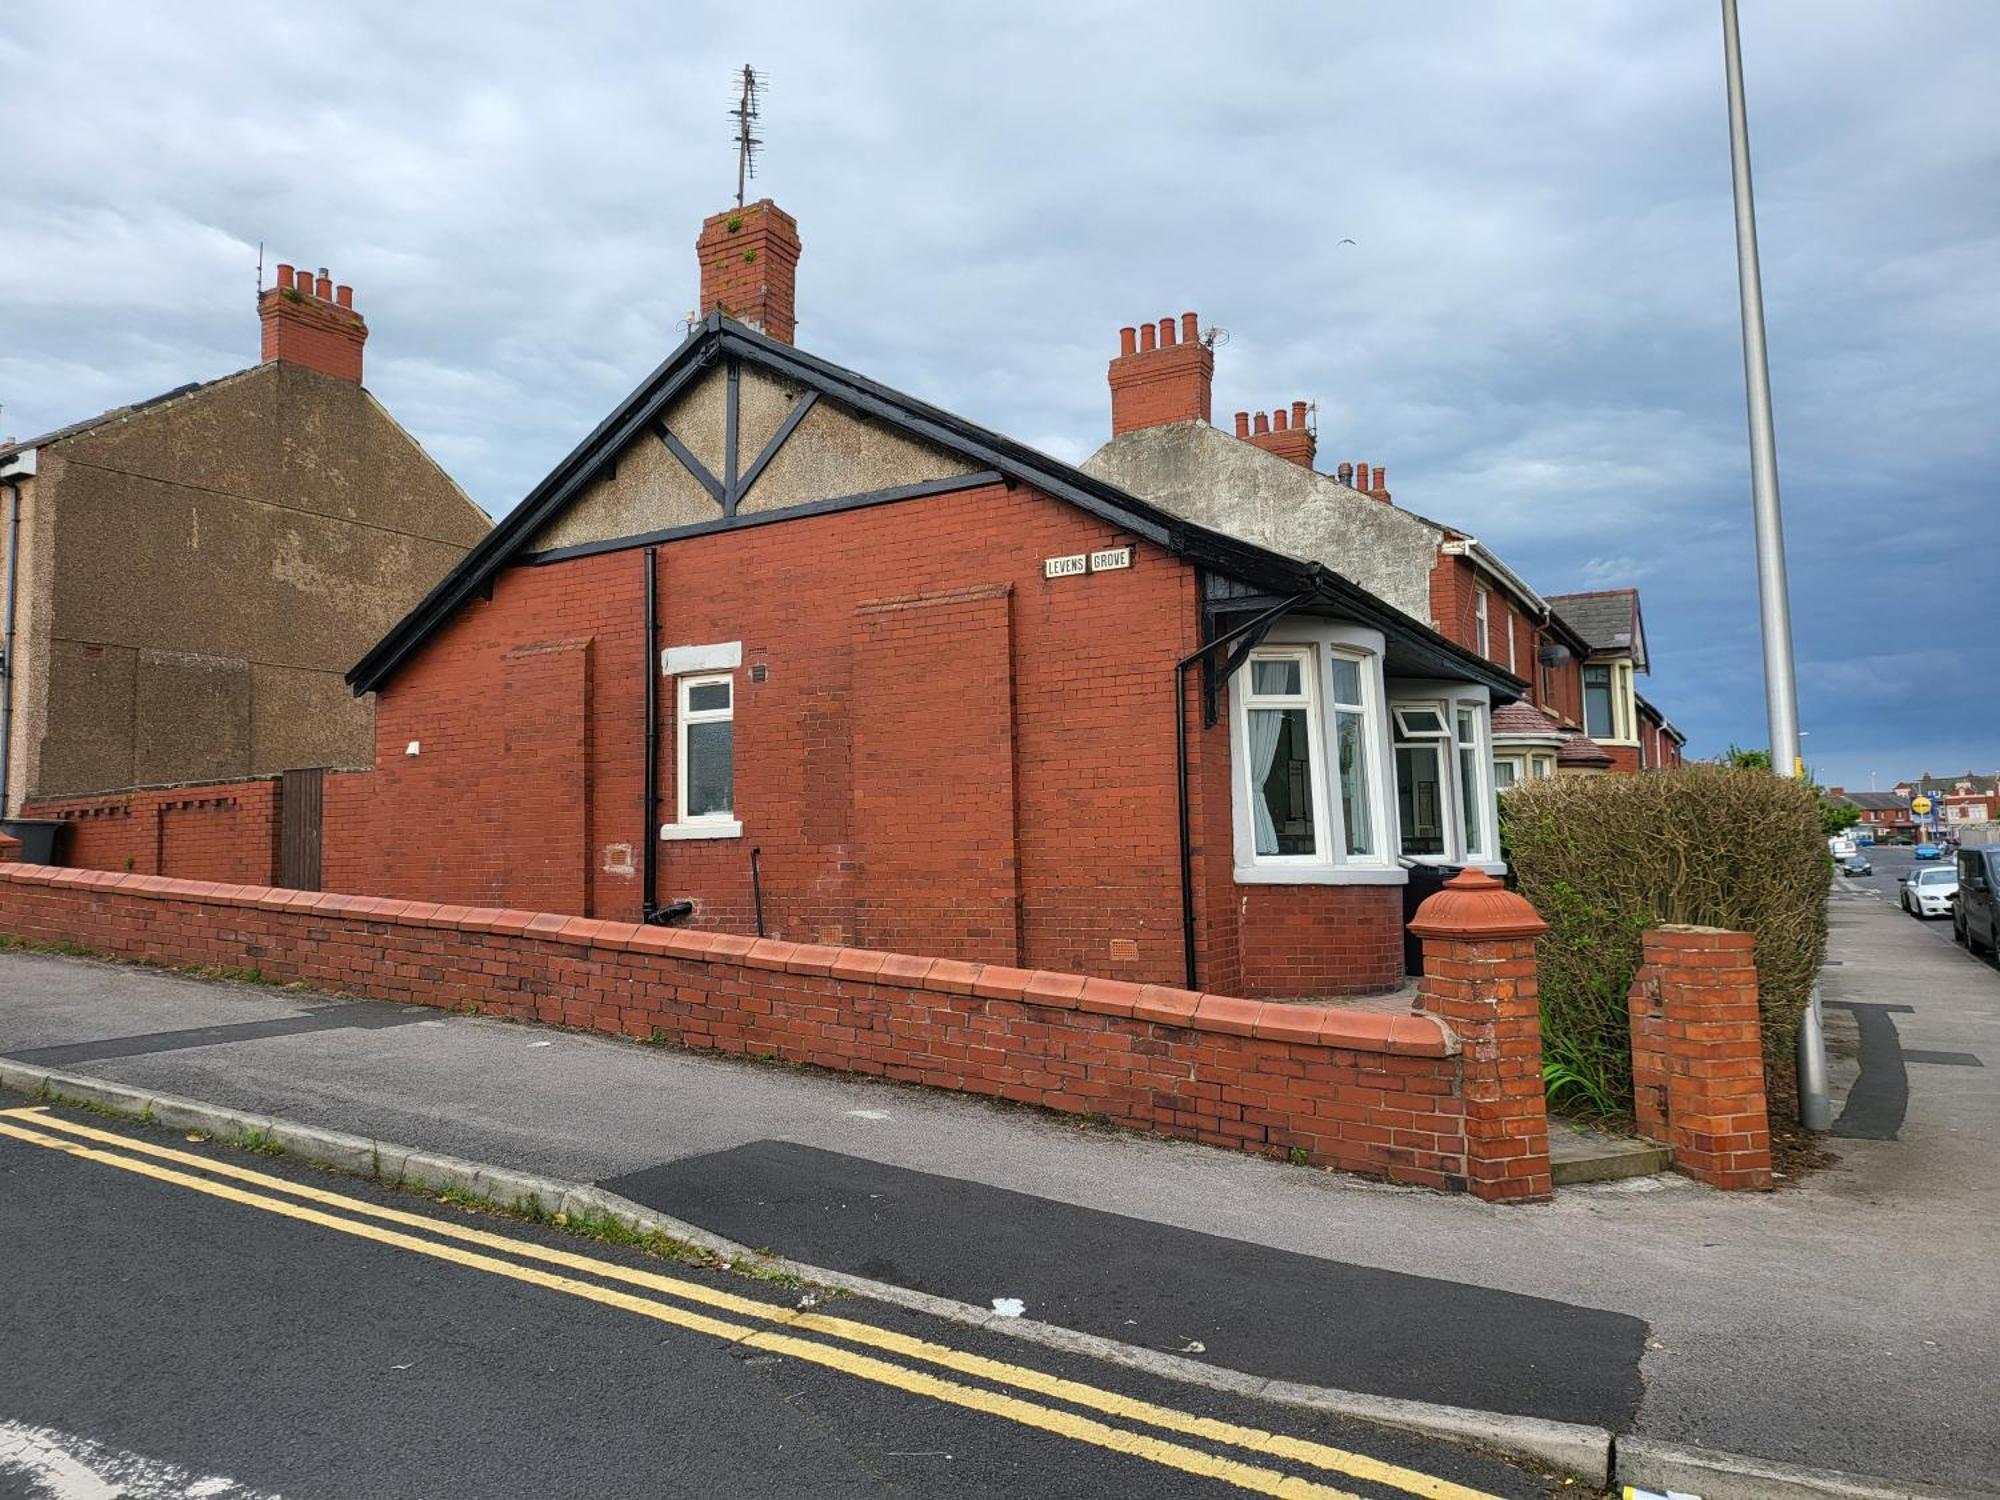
{"points": [[1310, 742], [1447, 773]]}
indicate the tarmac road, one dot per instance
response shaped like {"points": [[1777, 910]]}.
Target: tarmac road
{"points": [[186, 1319]]}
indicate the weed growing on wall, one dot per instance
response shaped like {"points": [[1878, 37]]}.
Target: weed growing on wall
{"points": [[1603, 858]]}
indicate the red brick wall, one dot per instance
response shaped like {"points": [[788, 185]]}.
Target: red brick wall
{"points": [[1562, 695], [932, 815], [870, 766], [1302, 940], [947, 753], [1371, 1093], [1624, 758], [207, 831], [1697, 1054]]}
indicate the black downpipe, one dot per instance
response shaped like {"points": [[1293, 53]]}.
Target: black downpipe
{"points": [[649, 900], [1181, 766], [757, 888]]}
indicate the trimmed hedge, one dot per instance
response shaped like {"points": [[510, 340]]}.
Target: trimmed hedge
{"points": [[1602, 858]]}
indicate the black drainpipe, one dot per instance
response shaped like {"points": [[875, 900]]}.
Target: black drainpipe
{"points": [[649, 907], [7, 641], [1181, 766]]}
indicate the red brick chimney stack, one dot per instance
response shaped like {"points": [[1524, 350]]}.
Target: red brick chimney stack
{"points": [[750, 266], [1281, 432], [1161, 375], [309, 321]]}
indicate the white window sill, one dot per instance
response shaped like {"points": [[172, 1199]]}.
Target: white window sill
{"points": [[1321, 875], [708, 828]]}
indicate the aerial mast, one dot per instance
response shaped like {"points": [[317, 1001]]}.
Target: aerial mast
{"points": [[744, 112]]}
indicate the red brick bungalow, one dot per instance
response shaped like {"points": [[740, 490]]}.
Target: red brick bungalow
{"points": [[778, 649]]}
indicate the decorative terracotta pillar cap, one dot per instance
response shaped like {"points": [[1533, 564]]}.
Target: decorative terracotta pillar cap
{"points": [[1475, 907]]}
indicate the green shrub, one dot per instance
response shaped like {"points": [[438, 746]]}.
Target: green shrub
{"points": [[1603, 858]]}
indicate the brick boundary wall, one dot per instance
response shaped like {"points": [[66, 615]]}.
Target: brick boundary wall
{"points": [[1481, 977], [216, 830], [1697, 1054], [1380, 1094], [10, 848]]}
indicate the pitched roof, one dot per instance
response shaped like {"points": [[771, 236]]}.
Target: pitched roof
{"points": [[1413, 647], [1875, 801], [1608, 619], [1522, 719], [1580, 750], [116, 414]]}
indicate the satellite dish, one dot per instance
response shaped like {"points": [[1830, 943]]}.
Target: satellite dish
{"points": [[1215, 337]]}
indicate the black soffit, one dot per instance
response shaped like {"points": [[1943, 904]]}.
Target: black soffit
{"points": [[722, 342]]}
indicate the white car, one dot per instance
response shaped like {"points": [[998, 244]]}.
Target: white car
{"points": [[1928, 892]]}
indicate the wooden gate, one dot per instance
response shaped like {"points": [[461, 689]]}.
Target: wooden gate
{"points": [[300, 815]]}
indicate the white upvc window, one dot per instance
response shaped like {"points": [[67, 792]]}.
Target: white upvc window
{"points": [[1423, 780], [1507, 620], [1309, 751], [1446, 774], [1472, 790], [705, 757], [1479, 620]]}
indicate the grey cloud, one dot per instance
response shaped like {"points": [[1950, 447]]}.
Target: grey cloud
{"points": [[1535, 331]]}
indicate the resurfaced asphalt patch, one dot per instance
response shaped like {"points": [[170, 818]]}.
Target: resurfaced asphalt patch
{"points": [[1235, 1304]]}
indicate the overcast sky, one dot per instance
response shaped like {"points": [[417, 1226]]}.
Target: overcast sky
{"points": [[1535, 331]]}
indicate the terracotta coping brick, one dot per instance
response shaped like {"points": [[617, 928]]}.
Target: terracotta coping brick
{"points": [[1046, 987], [769, 953], [419, 913], [812, 958], [728, 944], [904, 969], [1158, 1002], [687, 943], [648, 939], [1108, 997], [390, 911], [449, 916], [1421, 1036], [511, 921], [857, 963], [1288, 1023], [955, 976], [1228, 1014], [998, 982], [615, 935]]}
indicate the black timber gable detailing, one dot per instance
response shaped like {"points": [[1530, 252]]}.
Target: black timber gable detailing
{"points": [[722, 340], [924, 490]]}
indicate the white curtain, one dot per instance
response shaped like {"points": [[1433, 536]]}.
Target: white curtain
{"points": [[1265, 727]]}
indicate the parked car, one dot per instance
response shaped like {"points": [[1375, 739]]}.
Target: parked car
{"points": [[1856, 864], [1929, 893], [1929, 851], [1975, 918]]}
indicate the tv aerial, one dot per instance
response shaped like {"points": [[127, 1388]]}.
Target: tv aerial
{"points": [[745, 112]]}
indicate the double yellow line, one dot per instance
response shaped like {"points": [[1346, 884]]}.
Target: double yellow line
{"points": [[445, 1240]]}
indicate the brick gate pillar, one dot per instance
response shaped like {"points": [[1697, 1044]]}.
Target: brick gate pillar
{"points": [[10, 848], [1698, 1055], [1480, 978]]}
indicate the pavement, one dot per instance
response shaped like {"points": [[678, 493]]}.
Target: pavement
{"points": [[1810, 1325]]}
